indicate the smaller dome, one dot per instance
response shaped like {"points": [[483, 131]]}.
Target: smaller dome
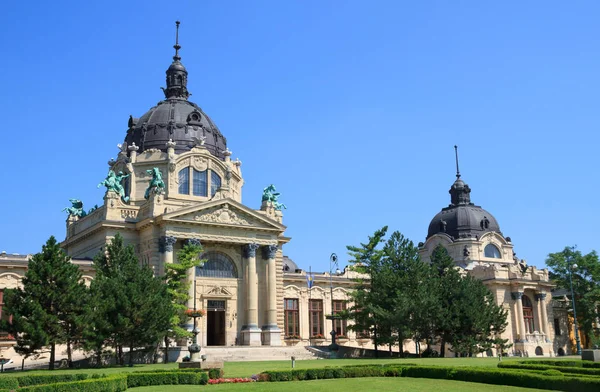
{"points": [[176, 66], [289, 265]]}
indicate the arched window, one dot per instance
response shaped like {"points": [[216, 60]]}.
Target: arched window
{"points": [[217, 265], [527, 314], [200, 183], [215, 183], [491, 251], [184, 181]]}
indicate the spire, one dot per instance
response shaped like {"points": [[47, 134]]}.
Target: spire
{"points": [[176, 74], [459, 191], [456, 155], [177, 46]]}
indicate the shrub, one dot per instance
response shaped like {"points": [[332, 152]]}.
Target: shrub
{"points": [[215, 373], [114, 383], [560, 368], [25, 381], [9, 383]]}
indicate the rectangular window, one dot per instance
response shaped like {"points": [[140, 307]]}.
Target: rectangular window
{"points": [[184, 181], [292, 319], [215, 183], [339, 325], [316, 318], [557, 327], [200, 183]]}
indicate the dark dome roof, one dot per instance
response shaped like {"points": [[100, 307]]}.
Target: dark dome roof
{"points": [[176, 118], [179, 120], [462, 219]]}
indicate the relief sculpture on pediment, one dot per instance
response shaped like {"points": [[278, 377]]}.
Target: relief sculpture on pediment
{"points": [[223, 215]]}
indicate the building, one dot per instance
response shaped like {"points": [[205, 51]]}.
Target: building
{"points": [[473, 238], [174, 181]]}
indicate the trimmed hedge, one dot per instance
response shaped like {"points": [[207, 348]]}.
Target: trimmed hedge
{"points": [[562, 369], [215, 373], [166, 378], [469, 374], [13, 382], [115, 383], [580, 363]]}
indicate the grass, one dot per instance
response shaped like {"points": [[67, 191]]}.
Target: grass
{"points": [[349, 385], [246, 369]]}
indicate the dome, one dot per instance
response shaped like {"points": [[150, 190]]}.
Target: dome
{"points": [[462, 219], [463, 222], [179, 120], [176, 118]]}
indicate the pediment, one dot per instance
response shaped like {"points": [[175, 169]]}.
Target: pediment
{"points": [[217, 291], [224, 212]]}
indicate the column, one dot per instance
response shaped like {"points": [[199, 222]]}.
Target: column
{"points": [[542, 316], [165, 247], [191, 277], [518, 297], [251, 336], [271, 333]]}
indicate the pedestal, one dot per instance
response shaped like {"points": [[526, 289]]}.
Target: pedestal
{"points": [[251, 336], [271, 336], [590, 355]]}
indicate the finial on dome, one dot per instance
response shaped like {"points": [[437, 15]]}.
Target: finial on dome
{"points": [[456, 155], [177, 46]]}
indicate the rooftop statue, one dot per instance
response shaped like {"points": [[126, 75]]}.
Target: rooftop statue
{"points": [[76, 208], [112, 182], [157, 185], [271, 195]]}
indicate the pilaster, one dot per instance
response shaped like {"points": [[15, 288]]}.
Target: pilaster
{"points": [[251, 334]]}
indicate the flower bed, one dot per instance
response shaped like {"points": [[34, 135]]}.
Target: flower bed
{"points": [[230, 380]]}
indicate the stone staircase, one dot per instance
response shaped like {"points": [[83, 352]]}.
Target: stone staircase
{"points": [[243, 353]]}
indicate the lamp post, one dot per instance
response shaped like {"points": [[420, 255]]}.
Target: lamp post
{"points": [[333, 262], [575, 323]]}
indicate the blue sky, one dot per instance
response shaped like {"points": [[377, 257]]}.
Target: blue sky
{"points": [[351, 108]]}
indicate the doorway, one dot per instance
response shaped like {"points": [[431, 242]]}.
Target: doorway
{"points": [[215, 323]]}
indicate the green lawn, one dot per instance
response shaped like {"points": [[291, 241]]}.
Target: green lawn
{"points": [[348, 385], [246, 369]]}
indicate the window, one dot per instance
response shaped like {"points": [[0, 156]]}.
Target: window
{"points": [[292, 319], [215, 183], [316, 318], [217, 265], [184, 181], [339, 325], [200, 183], [557, 327], [527, 314], [491, 251]]}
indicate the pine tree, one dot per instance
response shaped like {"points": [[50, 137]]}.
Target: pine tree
{"points": [[47, 311], [133, 306], [366, 311], [178, 288]]}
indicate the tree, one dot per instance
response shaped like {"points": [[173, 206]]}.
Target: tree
{"points": [[130, 298], [30, 336], [178, 288], [47, 310], [586, 283], [366, 312], [467, 317]]}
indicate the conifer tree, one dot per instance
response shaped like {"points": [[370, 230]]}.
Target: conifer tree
{"points": [[48, 309], [133, 306]]}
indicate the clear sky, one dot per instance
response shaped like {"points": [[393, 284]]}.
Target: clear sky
{"points": [[351, 108]]}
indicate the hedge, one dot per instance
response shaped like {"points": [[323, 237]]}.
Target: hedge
{"points": [[114, 383], [13, 382], [470, 374], [166, 378], [562, 369], [585, 364]]}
